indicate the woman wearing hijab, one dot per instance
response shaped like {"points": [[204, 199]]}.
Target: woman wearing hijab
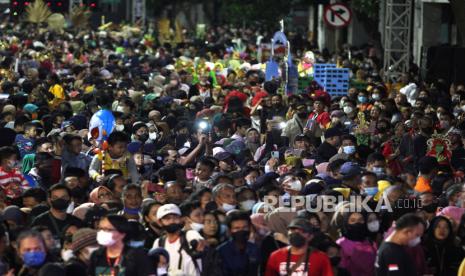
{"points": [[115, 257], [358, 254], [443, 256], [101, 195]]}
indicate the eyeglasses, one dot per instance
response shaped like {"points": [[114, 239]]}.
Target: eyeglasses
{"points": [[104, 195]]}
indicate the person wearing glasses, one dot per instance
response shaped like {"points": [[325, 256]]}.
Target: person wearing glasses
{"points": [[115, 257]]}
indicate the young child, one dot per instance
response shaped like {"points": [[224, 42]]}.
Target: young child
{"points": [[12, 182], [25, 142], [115, 158], [203, 173]]}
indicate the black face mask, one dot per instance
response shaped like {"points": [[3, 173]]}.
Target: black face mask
{"points": [[356, 232], [144, 137], [60, 204], [335, 260], [173, 228], [240, 236], [431, 208], [297, 240]]}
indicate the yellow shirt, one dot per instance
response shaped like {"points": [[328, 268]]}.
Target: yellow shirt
{"points": [[58, 93]]}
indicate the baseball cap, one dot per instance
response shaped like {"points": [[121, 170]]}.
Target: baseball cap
{"points": [[349, 169], [221, 156], [300, 223], [168, 209]]}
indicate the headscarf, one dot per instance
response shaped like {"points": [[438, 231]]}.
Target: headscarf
{"points": [[93, 197]]}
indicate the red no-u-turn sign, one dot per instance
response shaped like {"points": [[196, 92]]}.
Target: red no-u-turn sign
{"points": [[337, 15]]}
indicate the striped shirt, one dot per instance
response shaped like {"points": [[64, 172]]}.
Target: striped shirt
{"points": [[12, 183]]}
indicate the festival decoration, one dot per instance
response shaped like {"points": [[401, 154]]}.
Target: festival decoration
{"points": [[79, 17], [439, 148], [101, 125], [37, 12], [56, 22], [305, 66]]}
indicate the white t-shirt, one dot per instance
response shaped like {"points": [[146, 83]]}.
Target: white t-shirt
{"points": [[187, 266]]}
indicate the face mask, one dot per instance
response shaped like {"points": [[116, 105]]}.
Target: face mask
{"points": [[67, 255], [105, 238], [119, 127], [131, 211], [375, 97], [349, 150], [416, 241], [378, 170], [296, 239], [355, 232], [348, 109], [35, 258], [249, 182], [144, 137], [120, 108], [335, 260], [373, 226], [240, 236], [371, 191], [295, 185], [197, 226], [60, 204], [430, 208], [153, 136], [247, 205], [362, 99], [173, 227], [136, 244], [162, 271], [228, 207]]}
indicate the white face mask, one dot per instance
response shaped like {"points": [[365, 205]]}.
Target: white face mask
{"points": [[295, 185], [197, 226], [105, 238], [414, 242], [373, 226], [153, 136], [120, 108], [67, 254], [228, 207], [162, 271], [349, 150], [348, 109], [119, 127], [247, 204]]}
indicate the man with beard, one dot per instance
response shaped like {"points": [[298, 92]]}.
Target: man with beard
{"points": [[178, 243], [299, 258], [40, 175], [296, 125]]}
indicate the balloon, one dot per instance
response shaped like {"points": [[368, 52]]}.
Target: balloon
{"points": [[102, 124]]}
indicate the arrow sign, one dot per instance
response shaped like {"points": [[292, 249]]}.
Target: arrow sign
{"points": [[337, 15]]}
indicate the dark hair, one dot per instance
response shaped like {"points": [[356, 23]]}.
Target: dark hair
{"points": [[29, 125], [118, 137], [109, 181], [188, 207], [40, 141], [235, 216], [335, 165], [349, 137], [369, 174], [375, 156], [37, 193], [147, 207], [265, 190], [29, 234], [205, 161], [74, 171], [68, 138], [42, 157], [56, 187], [6, 152], [119, 222], [167, 173], [408, 221], [197, 195], [242, 122], [427, 164]]}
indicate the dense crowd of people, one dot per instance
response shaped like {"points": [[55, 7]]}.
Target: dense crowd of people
{"points": [[200, 166]]}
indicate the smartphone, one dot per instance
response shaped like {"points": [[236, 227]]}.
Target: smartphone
{"points": [[275, 154], [190, 174]]}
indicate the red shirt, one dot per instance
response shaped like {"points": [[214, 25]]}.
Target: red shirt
{"points": [[318, 264], [323, 118]]}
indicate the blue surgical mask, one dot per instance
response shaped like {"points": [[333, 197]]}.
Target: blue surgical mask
{"points": [[131, 211], [378, 170], [136, 244], [371, 191], [362, 99], [349, 150], [34, 258]]}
